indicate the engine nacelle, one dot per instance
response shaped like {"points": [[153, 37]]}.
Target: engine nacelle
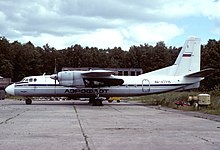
{"points": [[70, 78]]}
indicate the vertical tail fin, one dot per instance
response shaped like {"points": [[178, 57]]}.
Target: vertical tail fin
{"points": [[188, 60]]}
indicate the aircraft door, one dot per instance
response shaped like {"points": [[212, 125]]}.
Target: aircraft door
{"points": [[145, 85]]}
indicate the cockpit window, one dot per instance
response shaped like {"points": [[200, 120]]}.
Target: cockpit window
{"points": [[29, 80]]}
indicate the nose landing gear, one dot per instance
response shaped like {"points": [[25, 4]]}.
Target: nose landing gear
{"points": [[28, 101], [96, 101]]}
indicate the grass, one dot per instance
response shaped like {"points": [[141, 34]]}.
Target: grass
{"points": [[169, 99], [211, 111]]}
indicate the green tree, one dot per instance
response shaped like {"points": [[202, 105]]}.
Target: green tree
{"points": [[211, 58]]}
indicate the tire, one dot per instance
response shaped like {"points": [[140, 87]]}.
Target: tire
{"points": [[28, 101], [97, 102]]}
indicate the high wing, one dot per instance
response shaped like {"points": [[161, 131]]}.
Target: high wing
{"points": [[100, 78], [98, 73]]}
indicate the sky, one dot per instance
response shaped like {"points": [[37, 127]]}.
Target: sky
{"points": [[109, 23]]}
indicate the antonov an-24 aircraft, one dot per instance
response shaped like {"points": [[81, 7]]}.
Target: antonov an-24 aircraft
{"points": [[184, 74]]}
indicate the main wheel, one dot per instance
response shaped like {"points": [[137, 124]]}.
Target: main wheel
{"points": [[28, 101], [97, 102]]}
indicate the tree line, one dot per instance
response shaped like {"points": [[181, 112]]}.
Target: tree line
{"points": [[18, 60]]}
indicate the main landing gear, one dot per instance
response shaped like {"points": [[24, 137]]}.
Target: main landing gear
{"points": [[28, 101], [95, 101]]}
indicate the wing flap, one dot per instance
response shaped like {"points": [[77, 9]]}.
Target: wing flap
{"points": [[101, 82]]}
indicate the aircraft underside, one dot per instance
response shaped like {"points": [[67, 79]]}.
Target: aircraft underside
{"points": [[93, 93], [122, 91]]}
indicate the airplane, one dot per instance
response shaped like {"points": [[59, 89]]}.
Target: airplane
{"points": [[184, 74]]}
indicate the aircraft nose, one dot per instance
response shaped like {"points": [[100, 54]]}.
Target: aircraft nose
{"points": [[10, 89]]}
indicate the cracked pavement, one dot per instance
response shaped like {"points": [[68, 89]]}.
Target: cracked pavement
{"points": [[127, 125]]}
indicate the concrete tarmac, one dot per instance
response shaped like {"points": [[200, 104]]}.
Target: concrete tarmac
{"points": [[70, 125]]}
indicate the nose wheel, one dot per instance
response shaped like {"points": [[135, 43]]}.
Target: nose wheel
{"points": [[28, 101]]}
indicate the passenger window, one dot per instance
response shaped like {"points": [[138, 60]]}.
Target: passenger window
{"points": [[35, 79], [31, 80]]}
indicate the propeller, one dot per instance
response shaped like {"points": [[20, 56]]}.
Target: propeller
{"points": [[54, 76]]}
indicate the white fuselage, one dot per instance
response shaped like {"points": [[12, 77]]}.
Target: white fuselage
{"points": [[43, 86]]}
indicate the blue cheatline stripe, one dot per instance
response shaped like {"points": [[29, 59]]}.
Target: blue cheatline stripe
{"points": [[36, 85], [158, 84], [151, 85]]}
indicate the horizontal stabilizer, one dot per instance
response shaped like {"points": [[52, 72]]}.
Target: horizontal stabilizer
{"points": [[202, 73]]}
